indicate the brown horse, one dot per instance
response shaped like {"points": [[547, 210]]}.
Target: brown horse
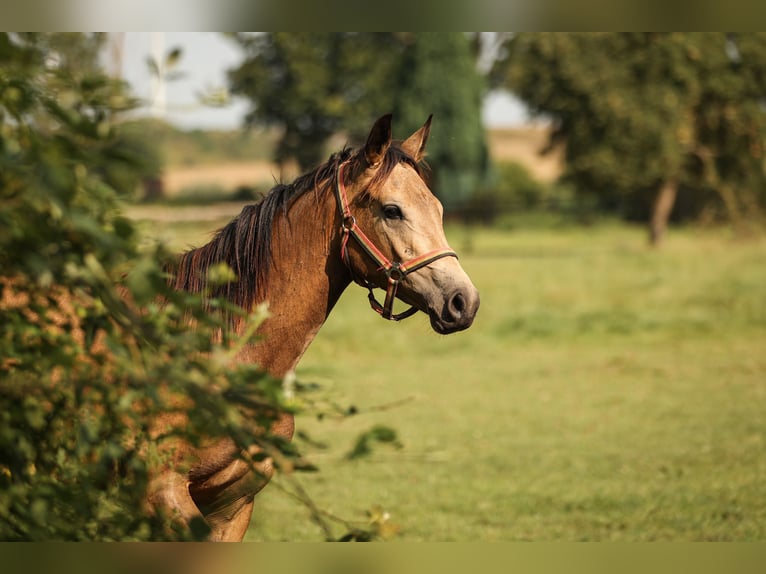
{"points": [[365, 216]]}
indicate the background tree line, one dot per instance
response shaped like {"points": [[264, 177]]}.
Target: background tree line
{"points": [[316, 85], [649, 122], [650, 118]]}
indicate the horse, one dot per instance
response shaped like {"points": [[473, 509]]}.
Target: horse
{"points": [[366, 217]]}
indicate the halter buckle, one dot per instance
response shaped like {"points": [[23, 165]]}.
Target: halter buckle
{"points": [[395, 273]]}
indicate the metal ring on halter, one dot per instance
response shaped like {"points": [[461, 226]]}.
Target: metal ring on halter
{"points": [[395, 273], [348, 223]]}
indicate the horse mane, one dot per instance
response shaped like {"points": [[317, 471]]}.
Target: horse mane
{"points": [[244, 244]]}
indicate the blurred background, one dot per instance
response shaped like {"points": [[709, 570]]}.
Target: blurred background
{"points": [[605, 192], [199, 86], [648, 128]]}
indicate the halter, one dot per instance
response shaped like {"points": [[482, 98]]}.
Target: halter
{"points": [[395, 271]]}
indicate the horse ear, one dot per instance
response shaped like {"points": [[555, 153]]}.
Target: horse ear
{"points": [[378, 141], [415, 145]]}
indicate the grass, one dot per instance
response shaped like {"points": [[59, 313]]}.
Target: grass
{"points": [[605, 392]]}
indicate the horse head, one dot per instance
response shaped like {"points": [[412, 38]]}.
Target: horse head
{"points": [[396, 221]]}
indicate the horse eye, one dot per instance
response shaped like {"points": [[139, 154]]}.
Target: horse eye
{"points": [[392, 212]]}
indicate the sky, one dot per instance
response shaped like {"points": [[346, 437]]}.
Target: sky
{"points": [[206, 57]]}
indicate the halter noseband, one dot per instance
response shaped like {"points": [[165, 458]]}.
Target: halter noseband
{"points": [[395, 271]]}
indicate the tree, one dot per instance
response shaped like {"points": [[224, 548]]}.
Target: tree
{"points": [[438, 75], [643, 116], [314, 85]]}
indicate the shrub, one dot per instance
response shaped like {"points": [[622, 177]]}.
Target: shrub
{"points": [[511, 189], [94, 344]]}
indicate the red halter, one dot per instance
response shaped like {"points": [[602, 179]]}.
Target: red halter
{"points": [[395, 271]]}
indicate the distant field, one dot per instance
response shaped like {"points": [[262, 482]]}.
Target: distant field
{"points": [[524, 145], [226, 161], [605, 392]]}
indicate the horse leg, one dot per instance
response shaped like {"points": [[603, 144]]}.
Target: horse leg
{"points": [[168, 493], [234, 527], [226, 498]]}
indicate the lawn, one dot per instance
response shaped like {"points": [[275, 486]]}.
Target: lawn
{"points": [[606, 391]]}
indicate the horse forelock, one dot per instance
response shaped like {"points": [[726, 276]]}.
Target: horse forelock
{"points": [[245, 243], [395, 155]]}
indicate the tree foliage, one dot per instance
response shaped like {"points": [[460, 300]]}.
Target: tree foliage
{"points": [[316, 85], [93, 343], [438, 75], [644, 115]]}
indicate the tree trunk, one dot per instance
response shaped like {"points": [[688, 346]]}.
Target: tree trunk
{"points": [[733, 208], [663, 206]]}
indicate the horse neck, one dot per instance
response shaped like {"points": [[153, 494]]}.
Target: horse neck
{"points": [[306, 279]]}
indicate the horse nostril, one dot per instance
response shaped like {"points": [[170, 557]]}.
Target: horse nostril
{"points": [[457, 312], [457, 305]]}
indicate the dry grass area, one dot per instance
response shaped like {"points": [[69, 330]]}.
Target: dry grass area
{"points": [[229, 175], [183, 213], [524, 145], [521, 145]]}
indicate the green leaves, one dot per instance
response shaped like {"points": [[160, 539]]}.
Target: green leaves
{"points": [[438, 75], [377, 434], [95, 346], [166, 69], [637, 110], [316, 85]]}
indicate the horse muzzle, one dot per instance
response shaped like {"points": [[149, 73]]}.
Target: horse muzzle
{"points": [[457, 312]]}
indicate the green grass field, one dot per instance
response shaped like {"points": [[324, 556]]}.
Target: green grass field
{"points": [[605, 392]]}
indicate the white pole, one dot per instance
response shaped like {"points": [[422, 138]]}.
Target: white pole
{"points": [[159, 96], [116, 46]]}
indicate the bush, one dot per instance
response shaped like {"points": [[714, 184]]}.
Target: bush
{"points": [[94, 344], [511, 189]]}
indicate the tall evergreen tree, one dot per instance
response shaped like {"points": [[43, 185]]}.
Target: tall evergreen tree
{"points": [[439, 76]]}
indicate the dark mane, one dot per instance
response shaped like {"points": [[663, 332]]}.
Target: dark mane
{"points": [[244, 244]]}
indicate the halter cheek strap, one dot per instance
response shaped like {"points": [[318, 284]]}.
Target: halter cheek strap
{"points": [[395, 271]]}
